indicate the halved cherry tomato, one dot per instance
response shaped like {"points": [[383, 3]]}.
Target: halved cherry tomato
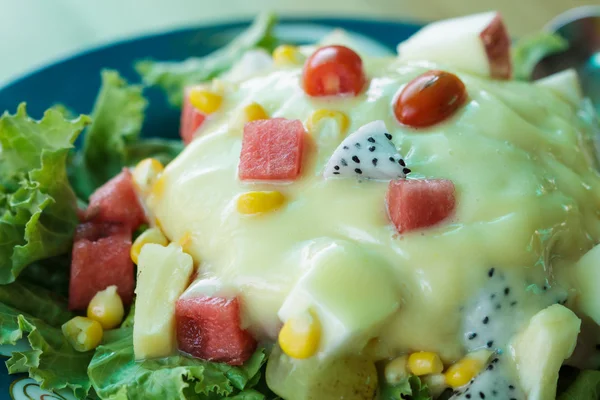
{"points": [[333, 70], [429, 99]]}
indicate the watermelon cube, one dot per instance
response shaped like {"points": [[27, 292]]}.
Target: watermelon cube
{"points": [[191, 119], [415, 204], [209, 328], [272, 150], [116, 202], [100, 258]]}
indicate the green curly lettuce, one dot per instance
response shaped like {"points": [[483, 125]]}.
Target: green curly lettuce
{"points": [[38, 211], [410, 388], [173, 77], [115, 374]]}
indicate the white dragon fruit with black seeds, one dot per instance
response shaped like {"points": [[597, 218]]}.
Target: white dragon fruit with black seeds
{"points": [[367, 153], [496, 381], [501, 308]]}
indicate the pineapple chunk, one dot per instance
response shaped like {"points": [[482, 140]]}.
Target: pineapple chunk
{"points": [[541, 348], [587, 272], [163, 275]]}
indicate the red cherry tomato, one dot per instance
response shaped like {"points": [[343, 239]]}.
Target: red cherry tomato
{"points": [[333, 70], [429, 99]]}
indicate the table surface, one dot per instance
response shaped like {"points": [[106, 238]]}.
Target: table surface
{"points": [[35, 32]]}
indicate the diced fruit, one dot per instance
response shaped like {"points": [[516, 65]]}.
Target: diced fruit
{"points": [[352, 311], [587, 273], [209, 328], [163, 274], [541, 349], [415, 204], [425, 363], [254, 112], [429, 99], [396, 370], [300, 336], [565, 84], [82, 333], [146, 173], [151, 235], [191, 119], [272, 150], [286, 55], [477, 43], [333, 70], [116, 202], [106, 307], [100, 258], [259, 202], [348, 378], [317, 116], [205, 101]]}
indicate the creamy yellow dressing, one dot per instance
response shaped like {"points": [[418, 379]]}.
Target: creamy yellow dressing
{"points": [[528, 197]]}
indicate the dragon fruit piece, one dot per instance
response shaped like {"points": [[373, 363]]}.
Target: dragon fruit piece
{"points": [[497, 381], [367, 153], [501, 308]]}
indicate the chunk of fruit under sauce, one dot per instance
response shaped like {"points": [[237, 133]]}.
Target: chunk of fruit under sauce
{"points": [[332, 71], [415, 204], [191, 119]]}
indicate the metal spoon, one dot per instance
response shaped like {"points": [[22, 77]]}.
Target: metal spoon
{"points": [[581, 28]]}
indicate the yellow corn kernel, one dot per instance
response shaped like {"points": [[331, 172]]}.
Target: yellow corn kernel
{"points": [[152, 235], [205, 101], [460, 373], [158, 188], [317, 116], [396, 370], [300, 337], [146, 173], [425, 363], [106, 307], [82, 333], [253, 112], [259, 202], [287, 55]]}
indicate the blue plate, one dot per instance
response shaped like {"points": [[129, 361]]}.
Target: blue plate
{"points": [[75, 81]]}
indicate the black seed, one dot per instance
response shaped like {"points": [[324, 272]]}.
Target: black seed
{"points": [[545, 288], [598, 347], [370, 139], [494, 393], [490, 367], [343, 162], [336, 167], [336, 173], [358, 171], [387, 135], [472, 336], [346, 148], [498, 306], [506, 291], [372, 149], [511, 387], [401, 162], [493, 296], [374, 161], [486, 320], [513, 303], [468, 395], [357, 145], [406, 171], [392, 159], [491, 272], [356, 159], [482, 395], [513, 398], [495, 360], [490, 344]]}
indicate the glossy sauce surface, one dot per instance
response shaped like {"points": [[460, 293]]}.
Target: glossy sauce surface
{"points": [[526, 187]]}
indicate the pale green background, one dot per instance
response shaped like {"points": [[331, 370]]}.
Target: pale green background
{"points": [[34, 32]]}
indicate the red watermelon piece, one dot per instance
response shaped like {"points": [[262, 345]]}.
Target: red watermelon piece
{"points": [[209, 328], [191, 119], [116, 202], [272, 150], [100, 258], [415, 204]]}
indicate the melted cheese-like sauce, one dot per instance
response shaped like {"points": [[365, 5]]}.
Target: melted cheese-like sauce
{"points": [[528, 197]]}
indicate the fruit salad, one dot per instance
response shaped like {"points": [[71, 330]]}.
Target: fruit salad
{"points": [[332, 225]]}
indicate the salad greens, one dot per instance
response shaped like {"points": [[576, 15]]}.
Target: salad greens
{"points": [[409, 388], [528, 51]]}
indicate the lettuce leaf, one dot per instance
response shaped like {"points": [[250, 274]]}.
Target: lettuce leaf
{"points": [[116, 375], [528, 51], [410, 388], [50, 360], [37, 205], [173, 77], [585, 387]]}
